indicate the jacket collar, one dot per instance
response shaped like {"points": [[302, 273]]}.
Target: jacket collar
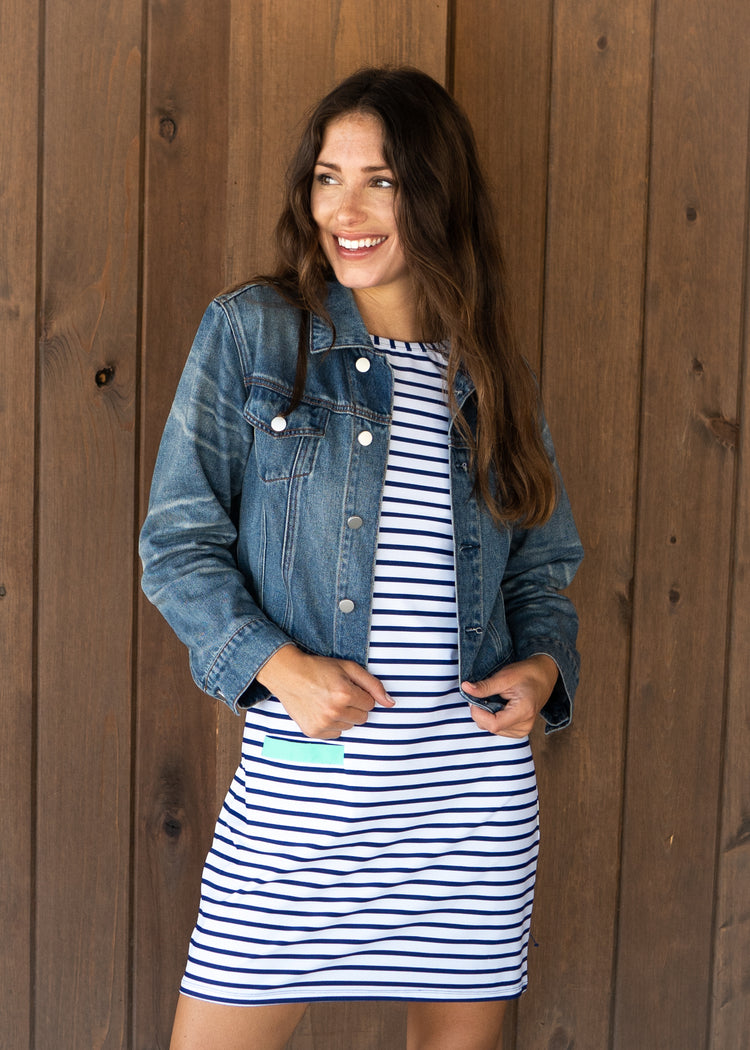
{"points": [[352, 333], [350, 328]]}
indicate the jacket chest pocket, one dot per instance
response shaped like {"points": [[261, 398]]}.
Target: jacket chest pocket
{"points": [[284, 445]]}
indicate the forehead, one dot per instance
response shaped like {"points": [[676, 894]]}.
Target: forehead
{"points": [[353, 134]]}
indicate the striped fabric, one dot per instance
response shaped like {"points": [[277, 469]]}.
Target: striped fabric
{"points": [[399, 861]]}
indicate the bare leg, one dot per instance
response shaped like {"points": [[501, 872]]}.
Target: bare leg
{"points": [[200, 1025], [455, 1026]]}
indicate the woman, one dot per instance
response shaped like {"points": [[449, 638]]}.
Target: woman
{"points": [[357, 528]]}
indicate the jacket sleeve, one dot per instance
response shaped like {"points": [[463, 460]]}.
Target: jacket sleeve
{"points": [[188, 538], [541, 563]]}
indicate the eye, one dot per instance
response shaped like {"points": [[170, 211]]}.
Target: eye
{"points": [[383, 182], [324, 178]]}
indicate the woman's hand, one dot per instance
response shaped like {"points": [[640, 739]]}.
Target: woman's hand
{"points": [[525, 686], [323, 696]]}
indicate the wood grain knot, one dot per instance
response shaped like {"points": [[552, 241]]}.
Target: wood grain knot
{"points": [[172, 827], [726, 431], [104, 375], [561, 1040], [674, 596], [167, 129], [3, 591], [602, 43], [691, 213]]}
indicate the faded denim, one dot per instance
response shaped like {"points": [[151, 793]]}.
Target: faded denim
{"points": [[253, 534]]}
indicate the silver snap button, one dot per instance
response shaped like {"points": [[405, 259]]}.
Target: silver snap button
{"points": [[364, 437], [278, 423], [346, 605], [355, 522], [363, 364]]}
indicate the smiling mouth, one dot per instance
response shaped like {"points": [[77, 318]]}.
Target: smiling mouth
{"points": [[364, 242]]}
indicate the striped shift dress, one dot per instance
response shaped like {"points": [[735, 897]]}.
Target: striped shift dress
{"points": [[397, 862]]}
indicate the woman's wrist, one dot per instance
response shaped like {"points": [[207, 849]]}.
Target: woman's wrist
{"points": [[278, 666]]}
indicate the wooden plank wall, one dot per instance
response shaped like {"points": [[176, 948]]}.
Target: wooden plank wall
{"points": [[141, 155]]}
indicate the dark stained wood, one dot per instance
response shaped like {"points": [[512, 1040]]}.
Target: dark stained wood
{"points": [[694, 309], [351, 1026], [89, 268], [600, 101], [730, 1001], [186, 151], [501, 69], [19, 29]]}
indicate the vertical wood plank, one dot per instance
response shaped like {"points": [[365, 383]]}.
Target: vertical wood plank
{"points": [[600, 105], [184, 251], [694, 296], [501, 69], [89, 308], [19, 70], [730, 1014], [351, 1026]]}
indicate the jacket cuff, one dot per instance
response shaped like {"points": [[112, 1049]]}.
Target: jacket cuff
{"points": [[558, 711], [231, 677]]}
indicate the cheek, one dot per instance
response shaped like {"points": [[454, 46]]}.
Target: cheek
{"points": [[317, 219], [397, 253], [318, 206]]}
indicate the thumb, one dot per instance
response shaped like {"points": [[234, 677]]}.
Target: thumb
{"points": [[370, 684], [481, 689], [492, 686]]}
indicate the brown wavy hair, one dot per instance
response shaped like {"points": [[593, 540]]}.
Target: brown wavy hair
{"points": [[448, 233]]}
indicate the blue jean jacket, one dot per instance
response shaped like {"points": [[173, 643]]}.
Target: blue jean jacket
{"points": [[262, 525]]}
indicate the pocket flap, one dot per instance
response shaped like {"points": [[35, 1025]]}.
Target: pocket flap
{"points": [[267, 409]]}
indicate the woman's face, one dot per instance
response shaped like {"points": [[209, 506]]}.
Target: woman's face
{"points": [[353, 203]]}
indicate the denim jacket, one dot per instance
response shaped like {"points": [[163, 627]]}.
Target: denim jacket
{"points": [[262, 523]]}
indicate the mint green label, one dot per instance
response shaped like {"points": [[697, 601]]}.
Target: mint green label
{"points": [[304, 752]]}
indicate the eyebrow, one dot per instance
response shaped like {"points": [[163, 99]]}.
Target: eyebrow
{"points": [[336, 167]]}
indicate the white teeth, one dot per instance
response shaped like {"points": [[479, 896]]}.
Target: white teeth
{"points": [[365, 242]]}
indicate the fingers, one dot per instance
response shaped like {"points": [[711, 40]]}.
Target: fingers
{"points": [[480, 690], [368, 683], [324, 696], [507, 722], [510, 681], [525, 686]]}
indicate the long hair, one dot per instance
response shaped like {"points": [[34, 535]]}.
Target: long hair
{"points": [[448, 233]]}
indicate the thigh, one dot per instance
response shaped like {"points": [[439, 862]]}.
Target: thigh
{"points": [[455, 1026], [199, 1025]]}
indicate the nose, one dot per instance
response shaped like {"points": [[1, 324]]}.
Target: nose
{"points": [[351, 208]]}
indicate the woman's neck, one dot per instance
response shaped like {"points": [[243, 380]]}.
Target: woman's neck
{"points": [[389, 316]]}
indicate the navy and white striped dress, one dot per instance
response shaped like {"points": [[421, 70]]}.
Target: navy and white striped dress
{"points": [[397, 862]]}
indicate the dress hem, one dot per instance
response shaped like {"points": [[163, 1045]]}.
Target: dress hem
{"points": [[364, 995]]}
